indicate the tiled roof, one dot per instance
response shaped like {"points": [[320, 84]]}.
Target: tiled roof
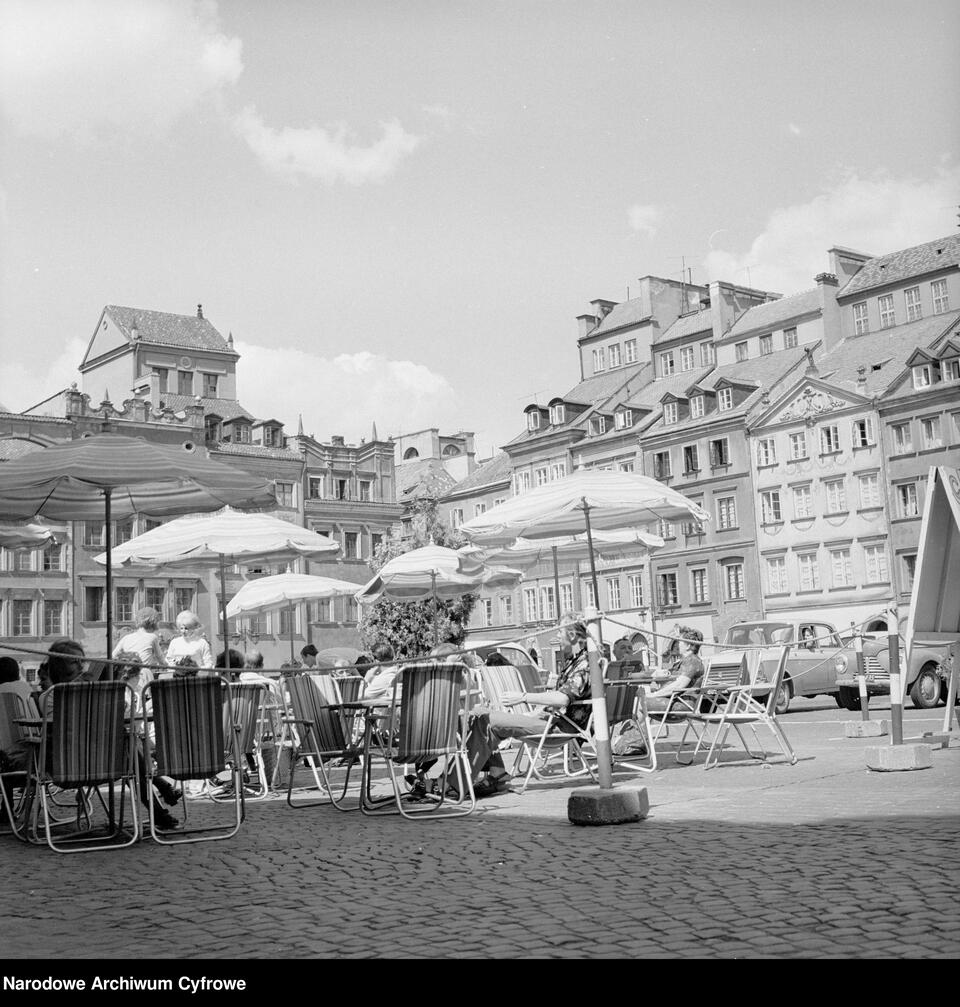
{"points": [[761, 371], [906, 263], [164, 329], [773, 314], [424, 477], [496, 470], [226, 409], [16, 447], [626, 313], [649, 396], [255, 451], [687, 325], [889, 348]]}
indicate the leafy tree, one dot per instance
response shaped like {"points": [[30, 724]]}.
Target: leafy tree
{"points": [[413, 628]]}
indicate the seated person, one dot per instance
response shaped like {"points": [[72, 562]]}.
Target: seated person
{"points": [[190, 648], [14, 754], [495, 660], [381, 677], [143, 644], [808, 638], [308, 656], [236, 662], [689, 670], [488, 728]]}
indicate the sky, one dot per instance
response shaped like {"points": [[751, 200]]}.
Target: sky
{"points": [[399, 209]]}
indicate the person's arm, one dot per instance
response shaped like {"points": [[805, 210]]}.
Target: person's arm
{"points": [[548, 697], [677, 685], [206, 656]]}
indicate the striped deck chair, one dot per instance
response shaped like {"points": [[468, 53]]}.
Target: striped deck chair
{"points": [[248, 700], [20, 739], [190, 719], [426, 725], [324, 731], [84, 745]]}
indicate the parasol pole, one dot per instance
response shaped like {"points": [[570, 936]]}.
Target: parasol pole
{"points": [[556, 580], [107, 492], [593, 563], [436, 608], [223, 614], [291, 633]]}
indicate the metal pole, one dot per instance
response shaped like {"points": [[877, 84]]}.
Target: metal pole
{"points": [[593, 563], [436, 608], [291, 633], [896, 694], [861, 675], [223, 614], [107, 521], [601, 726], [556, 580]]}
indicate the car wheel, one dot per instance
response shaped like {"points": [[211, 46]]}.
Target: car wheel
{"points": [[925, 691], [837, 699], [783, 698], [849, 697]]}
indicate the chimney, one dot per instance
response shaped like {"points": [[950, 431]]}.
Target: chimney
{"points": [[134, 331], [337, 440], [586, 324], [199, 311], [862, 379], [827, 287], [154, 389]]}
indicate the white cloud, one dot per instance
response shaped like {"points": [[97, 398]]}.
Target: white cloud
{"points": [[84, 66], [794, 128], [23, 386], [877, 215], [344, 394], [440, 112], [324, 153], [644, 218]]}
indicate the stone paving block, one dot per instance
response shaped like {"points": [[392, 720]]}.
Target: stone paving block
{"points": [[866, 728], [899, 758]]}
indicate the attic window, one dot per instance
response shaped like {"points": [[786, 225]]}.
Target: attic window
{"points": [[557, 414], [533, 420]]}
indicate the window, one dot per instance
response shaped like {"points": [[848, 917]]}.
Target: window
{"points": [[829, 439], [630, 351], [351, 545], [479, 508], [860, 324], [210, 386], [522, 480], [734, 581], [185, 382], [667, 589], [22, 617], [770, 506], [836, 496], [870, 490], [841, 568], [902, 437], [324, 610], [912, 298], [53, 558], [691, 459], [150, 523], [557, 414], [376, 540], [615, 355], [635, 587], [613, 592], [708, 354], [315, 487], [506, 609], [530, 604], [698, 584], [599, 362], [284, 492], [566, 597], [661, 465], [666, 364], [487, 611], [777, 575], [93, 533], [23, 559], [930, 432], [719, 452], [557, 471], [93, 604], [542, 476], [351, 611], [726, 512], [243, 432], [266, 436], [126, 598], [789, 338], [921, 376], [725, 399], [887, 315], [909, 571], [533, 420], [798, 446], [666, 529], [802, 501], [365, 490], [697, 406], [623, 419], [941, 299], [809, 572], [154, 597], [161, 373], [862, 433], [456, 517], [907, 504], [598, 425], [669, 413], [950, 369], [183, 598], [875, 558], [767, 451], [625, 466], [500, 500], [52, 618], [123, 531], [591, 593], [766, 345], [742, 351], [686, 358]]}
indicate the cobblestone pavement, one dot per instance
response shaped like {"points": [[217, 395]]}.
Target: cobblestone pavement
{"points": [[820, 859]]}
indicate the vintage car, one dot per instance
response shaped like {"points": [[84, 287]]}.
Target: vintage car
{"points": [[531, 673], [810, 671], [925, 683]]}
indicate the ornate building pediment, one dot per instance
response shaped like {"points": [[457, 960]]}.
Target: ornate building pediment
{"points": [[809, 405]]}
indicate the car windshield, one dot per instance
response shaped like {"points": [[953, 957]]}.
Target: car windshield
{"points": [[755, 634]]}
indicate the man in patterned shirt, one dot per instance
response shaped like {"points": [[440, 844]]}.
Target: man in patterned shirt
{"points": [[490, 727]]}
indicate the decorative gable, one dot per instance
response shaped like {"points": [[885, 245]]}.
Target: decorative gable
{"points": [[108, 338], [808, 403]]}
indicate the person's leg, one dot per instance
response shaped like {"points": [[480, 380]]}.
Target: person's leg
{"points": [[488, 728]]}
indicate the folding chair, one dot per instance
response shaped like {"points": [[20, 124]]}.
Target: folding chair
{"points": [[87, 743], [324, 731], [17, 737], [625, 705], [194, 723], [749, 704], [427, 724], [248, 702]]}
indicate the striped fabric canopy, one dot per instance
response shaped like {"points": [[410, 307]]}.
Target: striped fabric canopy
{"points": [[434, 571], [615, 500], [286, 589], [610, 545], [66, 481], [202, 540], [24, 536]]}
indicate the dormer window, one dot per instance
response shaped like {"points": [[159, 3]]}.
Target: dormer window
{"points": [[725, 399], [211, 429], [533, 420], [921, 376], [697, 406], [950, 369], [557, 414], [624, 419], [243, 433], [670, 413], [598, 425]]}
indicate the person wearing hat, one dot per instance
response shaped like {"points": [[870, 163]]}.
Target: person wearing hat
{"points": [[189, 649], [308, 656], [144, 642], [689, 669]]}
